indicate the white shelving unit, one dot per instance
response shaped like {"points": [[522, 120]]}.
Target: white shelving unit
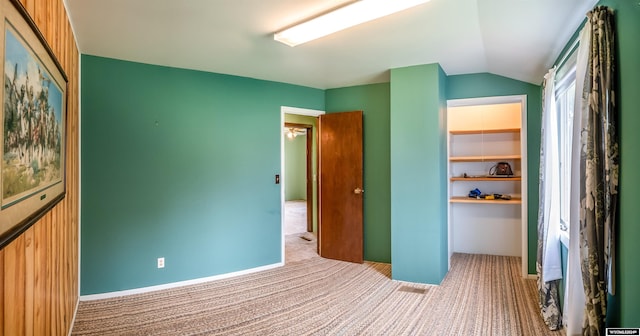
{"points": [[493, 146], [480, 136]]}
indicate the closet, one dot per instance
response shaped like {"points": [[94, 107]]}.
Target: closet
{"points": [[487, 176]]}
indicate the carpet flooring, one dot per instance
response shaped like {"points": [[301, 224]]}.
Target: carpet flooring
{"points": [[295, 217], [300, 246], [481, 295]]}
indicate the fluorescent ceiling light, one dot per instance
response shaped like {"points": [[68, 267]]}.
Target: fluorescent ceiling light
{"points": [[342, 18]]}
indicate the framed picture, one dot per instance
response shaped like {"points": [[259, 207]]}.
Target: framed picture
{"points": [[33, 127]]}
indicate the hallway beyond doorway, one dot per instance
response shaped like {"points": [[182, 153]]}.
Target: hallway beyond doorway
{"points": [[299, 244], [295, 217]]}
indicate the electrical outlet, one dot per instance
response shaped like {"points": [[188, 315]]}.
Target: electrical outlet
{"points": [[161, 262]]}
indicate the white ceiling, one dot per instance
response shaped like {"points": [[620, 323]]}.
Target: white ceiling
{"points": [[519, 39]]}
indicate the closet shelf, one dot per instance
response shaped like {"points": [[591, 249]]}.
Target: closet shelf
{"points": [[482, 178], [484, 158], [486, 131], [465, 199]]}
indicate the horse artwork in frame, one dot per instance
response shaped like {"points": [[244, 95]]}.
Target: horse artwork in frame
{"points": [[33, 178]]}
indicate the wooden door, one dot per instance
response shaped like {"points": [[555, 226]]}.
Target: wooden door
{"points": [[340, 232]]}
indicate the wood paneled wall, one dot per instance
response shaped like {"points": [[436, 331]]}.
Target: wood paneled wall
{"points": [[39, 270]]}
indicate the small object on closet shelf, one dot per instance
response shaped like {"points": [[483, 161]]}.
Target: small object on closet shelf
{"points": [[489, 197], [502, 197], [475, 193], [465, 175], [501, 169]]}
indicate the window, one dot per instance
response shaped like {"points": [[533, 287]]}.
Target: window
{"points": [[565, 99]]}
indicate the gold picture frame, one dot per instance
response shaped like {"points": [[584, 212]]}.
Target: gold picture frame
{"points": [[34, 101]]}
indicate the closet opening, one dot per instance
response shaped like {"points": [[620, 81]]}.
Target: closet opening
{"points": [[487, 177]]}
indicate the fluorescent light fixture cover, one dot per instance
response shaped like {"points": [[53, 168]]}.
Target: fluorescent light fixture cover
{"points": [[342, 18]]}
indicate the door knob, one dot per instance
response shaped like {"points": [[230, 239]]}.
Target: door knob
{"points": [[358, 191]]}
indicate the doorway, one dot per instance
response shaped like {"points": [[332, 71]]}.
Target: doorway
{"points": [[299, 183], [298, 191], [337, 182], [481, 132]]}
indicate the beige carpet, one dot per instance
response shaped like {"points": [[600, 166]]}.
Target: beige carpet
{"points": [[481, 295], [300, 246], [295, 217]]}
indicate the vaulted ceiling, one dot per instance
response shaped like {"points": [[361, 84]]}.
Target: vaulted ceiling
{"points": [[519, 39]]}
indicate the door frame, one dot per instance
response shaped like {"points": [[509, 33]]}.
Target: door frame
{"points": [[288, 110]]}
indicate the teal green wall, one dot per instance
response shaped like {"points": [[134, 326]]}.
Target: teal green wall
{"points": [[295, 167], [373, 100], [178, 164], [418, 174], [488, 85], [625, 307]]}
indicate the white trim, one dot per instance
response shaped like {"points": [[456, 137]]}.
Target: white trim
{"points": [[178, 284], [79, 191], [487, 100], [522, 99], [523, 187], [79, 170], [301, 111], [449, 228], [288, 110]]}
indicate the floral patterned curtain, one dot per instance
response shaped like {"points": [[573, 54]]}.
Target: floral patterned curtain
{"points": [[599, 158]]}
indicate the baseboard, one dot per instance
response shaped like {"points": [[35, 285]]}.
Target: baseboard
{"points": [[177, 284]]}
